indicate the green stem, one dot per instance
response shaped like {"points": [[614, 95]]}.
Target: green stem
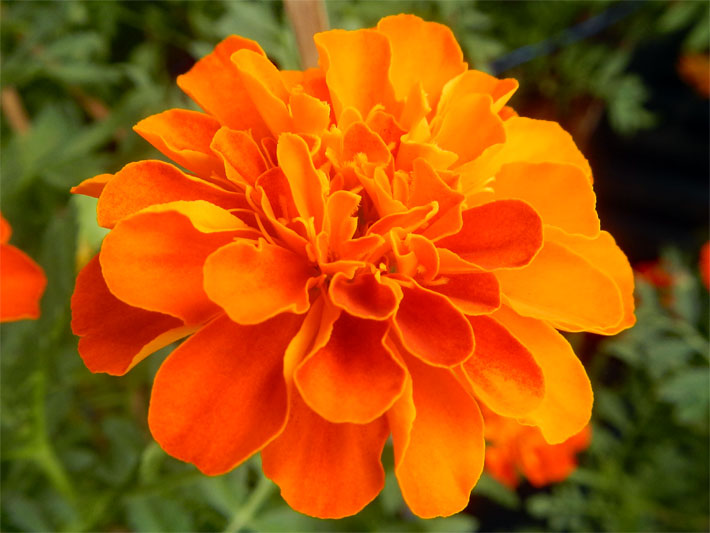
{"points": [[246, 512]]}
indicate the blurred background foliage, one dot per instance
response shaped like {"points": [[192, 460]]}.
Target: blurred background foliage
{"points": [[76, 75]]}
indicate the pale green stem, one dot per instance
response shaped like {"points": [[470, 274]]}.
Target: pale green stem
{"points": [[245, 513]]}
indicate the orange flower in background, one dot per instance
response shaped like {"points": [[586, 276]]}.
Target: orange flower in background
{"points": [[694, 69], [375, 247], [22, 281], [704, 264], [513, 449]]}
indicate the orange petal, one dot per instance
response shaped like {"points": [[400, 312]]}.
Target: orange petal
{"points": [[422, 51], [339, 223], [92, 186], [214, 83], [567, 404], [359, 139], [469, 127], [562, 287], [115, 336], [477, 82], [364, 296], [310, 115], [243, 161], [354, 378], [184, 136], [154, 259], [146, 183], [473, 293], [256, 281], [604, 254], [561, 194], [21, 285], [502, 234], [427, 186], [432, 328], [326, 470], [357, 66], [407, 220], [5, 230], [308, 185], [503, 372], [221, 396], [437, 432]]}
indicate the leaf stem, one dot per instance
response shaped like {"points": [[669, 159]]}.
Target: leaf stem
{"points": [[245, 513]]}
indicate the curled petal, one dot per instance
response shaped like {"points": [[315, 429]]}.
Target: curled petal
{"points": [[431, 328], [437, 432], [542, 185], [154, 259], [427, 186], [563, 287], [567, 405], [424, 52], [184, 136], [22, 284], [365, 295], [503, 372], [124, 335], [214, 83], [477, 82], [92, 186], [326, 470], [256, 281], [243, 160], [501, 234], [146, 183], [354, 378], [221, 396]]}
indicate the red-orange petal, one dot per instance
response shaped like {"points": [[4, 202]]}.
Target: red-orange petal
{"points": [[254, 281], [356, 65], [243, 160], [184, 136], [5, 230], [567, 404], [422, 51], [473, 293], [154, 259], [364, 295], [326, 470], [221, 396], [21, 285], [560, 193], [354, 378], [146, 183], [563, 287], [427, 186], [501, 234], [437, 432], [115, 336], [503, 372], [214, 83], [431, 328]]}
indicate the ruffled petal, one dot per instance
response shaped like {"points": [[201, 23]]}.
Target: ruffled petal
{"points": [[221, 396], [146, 183], [243, 160], [115, 336], [437, 432], [214, 83], [473, 293], [477, 82], [567, 404], [254, 281], [427, 186], [562, 287], [357, 66], [560, 193], [503, 372], [354, 378], [326, 470], [432, 328], [184, 136], [154, 259], [501, 234], [22, 285], [92, 186], [424, 52], [365, 295]]}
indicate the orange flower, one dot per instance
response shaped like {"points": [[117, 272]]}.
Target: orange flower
{"points": [[513, 448], [361, 250], [694, 69], [704, 264], [22, 281]]}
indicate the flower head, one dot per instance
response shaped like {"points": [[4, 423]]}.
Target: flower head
{"points": [[365, 249], [22, 281]]}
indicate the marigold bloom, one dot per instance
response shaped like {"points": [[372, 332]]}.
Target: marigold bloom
{"points": [[704, 264], [513, 449], [365, 249], [22, 281]]}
